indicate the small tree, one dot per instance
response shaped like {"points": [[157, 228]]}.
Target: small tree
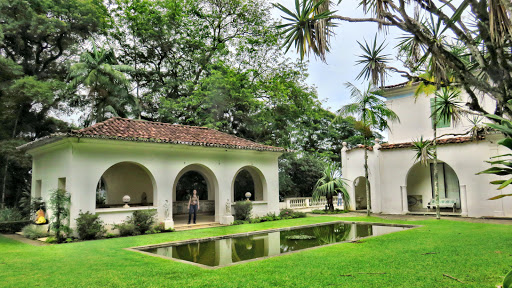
{"points": [[330, 184], [373, 114], [59, 207]]}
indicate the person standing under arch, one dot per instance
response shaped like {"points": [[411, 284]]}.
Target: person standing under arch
{"points": [[193, 206]]}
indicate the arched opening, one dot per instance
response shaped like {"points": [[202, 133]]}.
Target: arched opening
{"points": [[249, 179], [195, 177], [125, 178], [420, 185], [360, 192], [190, 181]]}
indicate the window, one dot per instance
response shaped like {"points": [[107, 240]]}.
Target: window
{"points": [[442, 123], [62, 183]]}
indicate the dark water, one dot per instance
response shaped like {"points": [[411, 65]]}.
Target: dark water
{"points": [[231, 250]]}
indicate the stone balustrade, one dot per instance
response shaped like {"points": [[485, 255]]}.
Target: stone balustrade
{"points": [[306, 202]]}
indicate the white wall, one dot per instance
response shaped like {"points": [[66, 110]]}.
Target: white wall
{"points": [[84, 161], [127, 179], [414, 113], [466, 159]]}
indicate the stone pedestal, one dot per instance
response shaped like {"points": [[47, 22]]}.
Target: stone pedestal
{"points": [[168, 224], [227, 220]]}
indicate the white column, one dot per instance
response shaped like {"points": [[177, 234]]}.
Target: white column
{"points": [[375, 180], [405, 205], [224, 252], [463, 201], [273, 243]]}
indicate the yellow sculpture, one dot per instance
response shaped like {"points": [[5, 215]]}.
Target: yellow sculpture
{"points": [[40, 217]]}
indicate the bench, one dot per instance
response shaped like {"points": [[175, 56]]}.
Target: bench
{"points": [[443, 203]]}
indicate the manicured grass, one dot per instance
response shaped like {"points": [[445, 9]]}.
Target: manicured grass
{"points": [[477, 254]]}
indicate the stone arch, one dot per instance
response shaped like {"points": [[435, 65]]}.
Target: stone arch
{"points": [[419, 183], [126, 178], [359, 187], [211, 184], [260, 183]]}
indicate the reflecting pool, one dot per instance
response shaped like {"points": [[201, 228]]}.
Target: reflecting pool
{"points": [[237, 248]]}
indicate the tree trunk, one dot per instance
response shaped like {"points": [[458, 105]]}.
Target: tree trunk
{"points": [[330, 203], [367, 183], [6, 167], [436, 182]]}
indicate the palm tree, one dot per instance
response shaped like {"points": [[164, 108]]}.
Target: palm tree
{"points": [[330, 184], [309, 28], [373, 114], [446, 107], [100, 73]]}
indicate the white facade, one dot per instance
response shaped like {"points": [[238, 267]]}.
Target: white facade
{"points": [[399, 185], [77, 164]]}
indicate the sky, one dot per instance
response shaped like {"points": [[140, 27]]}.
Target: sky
{"points": [[341, 66]]}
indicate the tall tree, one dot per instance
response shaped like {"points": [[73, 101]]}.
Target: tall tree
{"points": [[37, 41], [373, 113], [100, 73]]}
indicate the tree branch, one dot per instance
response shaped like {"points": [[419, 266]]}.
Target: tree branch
{"points": [[348, 19]]}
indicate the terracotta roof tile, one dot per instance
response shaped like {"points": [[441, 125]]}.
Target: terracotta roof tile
{"points": [[452, 140], [146, 131]]}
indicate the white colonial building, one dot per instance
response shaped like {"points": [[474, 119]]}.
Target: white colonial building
{"points": [[399, 185], [101, 164]]}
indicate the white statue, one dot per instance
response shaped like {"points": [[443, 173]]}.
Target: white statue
{"points": [[228, 207], [166, 209]]}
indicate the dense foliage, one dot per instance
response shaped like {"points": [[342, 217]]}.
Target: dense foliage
{"points": [[462, 44], [243, 210], [143, 220], [501, 164], [209, 63], [89, 226], [34, 232]]}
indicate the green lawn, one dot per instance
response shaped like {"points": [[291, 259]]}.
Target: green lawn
{"points": [[477, 254]]}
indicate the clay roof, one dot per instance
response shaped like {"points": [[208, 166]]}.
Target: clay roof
{"points": [[147, 131], [453, 140]]}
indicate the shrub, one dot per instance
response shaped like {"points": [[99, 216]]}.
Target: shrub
{"points": [[89, 226], [290, 214], [298, 215], [240, 222], [12, 220], [336, 211], [51, 240], [33, 232], [143, 220], [255, 220], [160, 226], [243, 210], [127, 229], [11, 215], [286, 213], [110, 235]]}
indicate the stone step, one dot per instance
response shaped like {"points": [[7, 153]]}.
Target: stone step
{"points": [[184, 227]]}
